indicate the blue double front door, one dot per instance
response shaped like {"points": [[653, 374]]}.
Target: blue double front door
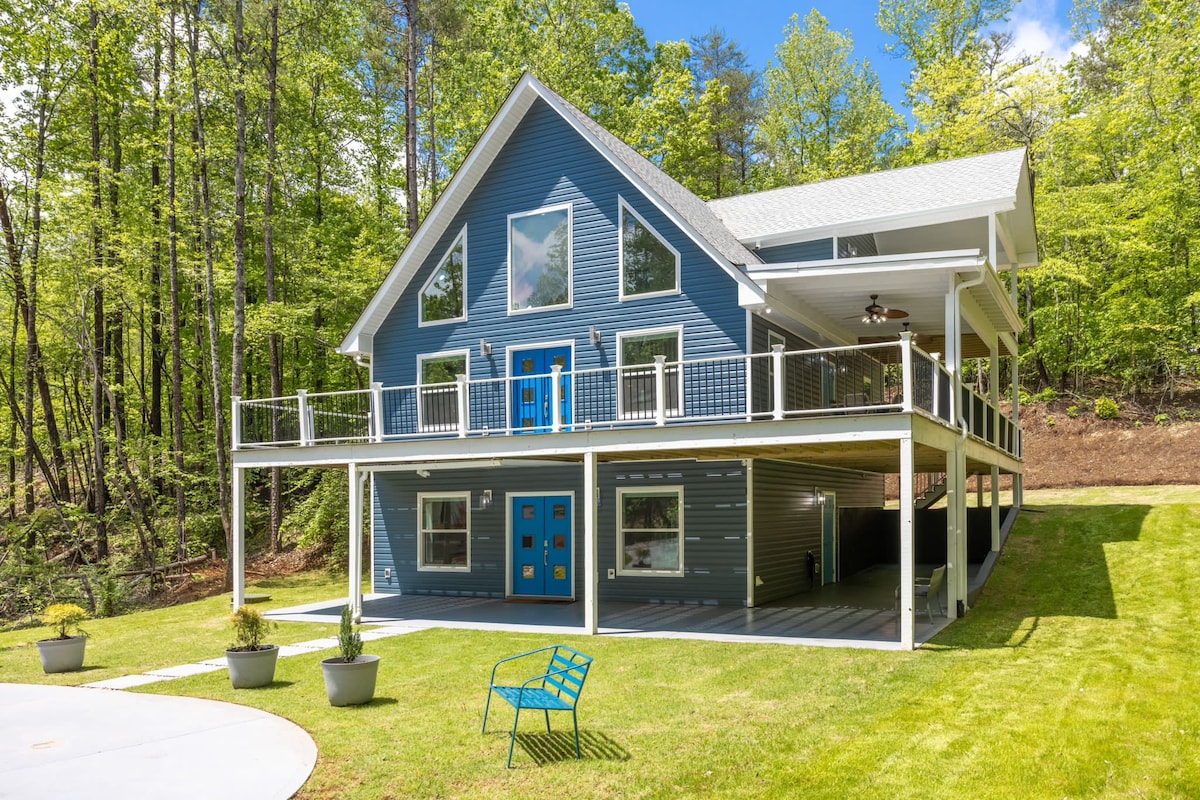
{"points": [[541, 545], [532, 389]]}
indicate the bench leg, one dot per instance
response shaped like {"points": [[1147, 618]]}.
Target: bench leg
{"points": [[485, 710], [575, 719], [513, 739], [546, 711]]}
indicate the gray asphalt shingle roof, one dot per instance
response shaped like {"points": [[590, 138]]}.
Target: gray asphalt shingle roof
{"points": [[924, 189]]}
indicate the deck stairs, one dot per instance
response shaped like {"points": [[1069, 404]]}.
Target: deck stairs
{"points": [[929, 488]]}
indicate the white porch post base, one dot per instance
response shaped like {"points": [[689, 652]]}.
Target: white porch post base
{"points": [[591, 511], [907, 551], [238, 556], [354, 599]]}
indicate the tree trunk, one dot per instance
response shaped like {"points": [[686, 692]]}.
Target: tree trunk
{"points": [[99, 505], [238, 368], [410, 118], [176, 307], [273, 343]]}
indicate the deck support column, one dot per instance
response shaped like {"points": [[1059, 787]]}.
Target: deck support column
{"points": [[995, 508], [907, 550], [591, 561], [237, 558], [354, 600]]}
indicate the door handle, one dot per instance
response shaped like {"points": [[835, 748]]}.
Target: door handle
{"points": [[545, 558]]}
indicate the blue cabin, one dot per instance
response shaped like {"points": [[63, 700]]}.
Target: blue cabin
{"points": [[589, 385]]}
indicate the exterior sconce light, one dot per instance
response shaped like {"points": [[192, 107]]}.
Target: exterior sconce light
{"points": [[597, 337], [485, 348], [485, 502]]}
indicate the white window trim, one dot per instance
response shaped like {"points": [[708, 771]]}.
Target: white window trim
{"points": [[421, 359], [655, 573], [570, 258], [421, 321], [677, 330], [623, 206], [421, 498]]}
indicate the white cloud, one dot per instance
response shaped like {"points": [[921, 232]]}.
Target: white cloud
{"points": [[1037, 30]]}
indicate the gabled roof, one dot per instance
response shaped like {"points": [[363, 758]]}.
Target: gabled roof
{"points": [[686, 210], [923, 195]]}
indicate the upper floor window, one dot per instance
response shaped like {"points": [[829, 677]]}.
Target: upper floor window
{"points": [[649, 266], [443, 297], [539, 259], [639, 383], [439, 396]]}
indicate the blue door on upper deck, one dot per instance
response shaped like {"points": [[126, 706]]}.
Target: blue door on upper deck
{"points": [[531, 388], [541, 545]]}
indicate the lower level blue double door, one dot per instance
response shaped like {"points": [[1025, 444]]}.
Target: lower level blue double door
{"points": [[541, 544]]}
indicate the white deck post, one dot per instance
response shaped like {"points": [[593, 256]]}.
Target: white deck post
{"points": [[660, 390], [995, 508], [305, 421], [464, 407], [236, 423], [555, 398], [354, 599], [591, 560], [777, 381], [906, 374], [376, 412], [907, 550], [238, 556]]}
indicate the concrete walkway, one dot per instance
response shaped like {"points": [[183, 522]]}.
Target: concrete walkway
{"points": [[83, 742]]}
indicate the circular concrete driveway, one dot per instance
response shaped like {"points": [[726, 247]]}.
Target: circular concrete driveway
{"points": [[66, 742]]}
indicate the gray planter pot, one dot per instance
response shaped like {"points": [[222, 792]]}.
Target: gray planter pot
{"points": [[350, 683], [62, 655], [252, 668]]}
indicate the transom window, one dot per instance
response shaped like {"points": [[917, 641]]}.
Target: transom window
{"points": [[639, 390], [444, 541], [650, 531], [439, 395], [649, 266], [443, 296], [539, 259]]}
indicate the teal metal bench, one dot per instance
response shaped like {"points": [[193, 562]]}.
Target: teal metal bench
{"points": [[556, 688]]}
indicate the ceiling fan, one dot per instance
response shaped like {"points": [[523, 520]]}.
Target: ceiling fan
{"points": [[876, 314]]}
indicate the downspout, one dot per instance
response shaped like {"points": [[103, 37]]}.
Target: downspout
{"points": [[960, 481]]}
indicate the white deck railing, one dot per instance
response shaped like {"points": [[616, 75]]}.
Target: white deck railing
{"points": [[880, 378]]}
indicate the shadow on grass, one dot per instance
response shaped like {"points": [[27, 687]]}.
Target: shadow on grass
{"points": [[549, 748], [1053, 565]]}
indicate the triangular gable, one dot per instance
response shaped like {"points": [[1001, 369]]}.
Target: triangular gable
{"points": [[682, 207]]}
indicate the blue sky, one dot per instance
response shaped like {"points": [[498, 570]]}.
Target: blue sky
{"points": [[1038, 26]]}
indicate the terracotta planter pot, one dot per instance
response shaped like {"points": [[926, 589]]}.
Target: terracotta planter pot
{"points": [[62, 655], [350, 683], [252, 668]]}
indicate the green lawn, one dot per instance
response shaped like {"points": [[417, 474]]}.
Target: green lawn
{"points": [[1073, 677]]}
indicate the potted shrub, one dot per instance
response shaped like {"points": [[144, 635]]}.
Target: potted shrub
{"points": [[251, 663], [64, 652], [350, 677]]}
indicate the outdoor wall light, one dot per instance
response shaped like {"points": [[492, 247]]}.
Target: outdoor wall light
{"points": [[597, 337], [485, 348], [424, 473], [485, 502]]}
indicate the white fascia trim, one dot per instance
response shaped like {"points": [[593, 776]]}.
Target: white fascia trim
{"points": [[947, 259], [666, 208], [881, 224], [446, 206]]}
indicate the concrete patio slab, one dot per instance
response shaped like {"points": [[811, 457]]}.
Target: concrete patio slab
{"points": [[72, 742]]}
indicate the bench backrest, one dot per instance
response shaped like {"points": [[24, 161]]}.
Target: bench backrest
{"points": [[566, 673]]}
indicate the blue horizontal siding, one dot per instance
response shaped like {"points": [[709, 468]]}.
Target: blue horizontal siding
{"points": [[544, 163], [801, 251]]}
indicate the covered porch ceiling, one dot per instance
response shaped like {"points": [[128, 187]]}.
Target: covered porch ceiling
{"points": [[825, 300]]}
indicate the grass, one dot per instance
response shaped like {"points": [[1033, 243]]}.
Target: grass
{"points": [[1072, 677], [135, 643]]}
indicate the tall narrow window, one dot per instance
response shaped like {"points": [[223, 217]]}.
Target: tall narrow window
{"points": [[650, 535], [649, 266], [439, 395], [443, 298], [445, 531], [639, 389], [539, 259]]}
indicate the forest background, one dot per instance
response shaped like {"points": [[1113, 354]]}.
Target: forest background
{"points": [[197, 200]]}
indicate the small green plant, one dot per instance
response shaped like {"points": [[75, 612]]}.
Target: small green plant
{"points": [[1050, 422], [1107, 408], [64, 618], [1047, 395], [249, 629], [1137, 423], [1162, 420], [1073, 412], [349, 642]]}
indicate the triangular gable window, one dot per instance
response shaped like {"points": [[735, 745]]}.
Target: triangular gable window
{"points": [[649, 266], [443, 298]]}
